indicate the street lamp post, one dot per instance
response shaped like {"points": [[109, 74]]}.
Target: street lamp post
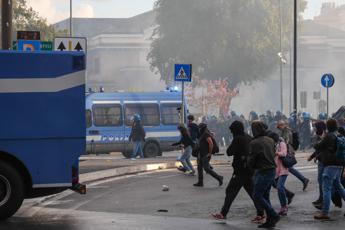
{"points": [[6, 24], [281, 63], [70, 18], [295, 59]]}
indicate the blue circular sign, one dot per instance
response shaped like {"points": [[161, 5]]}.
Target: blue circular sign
{"points": [[327, 80]]}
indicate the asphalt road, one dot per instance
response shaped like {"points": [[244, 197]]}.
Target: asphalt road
{"points": [[138, 202]]}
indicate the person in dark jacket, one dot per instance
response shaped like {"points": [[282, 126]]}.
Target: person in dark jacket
{"points": [[261, 159], [242, 175], [193, 128], [187, 144], [332, 172], [137, 136], [320, 129], [204, 156]]}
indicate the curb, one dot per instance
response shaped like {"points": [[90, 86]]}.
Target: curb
{"points": [[150, 167], [124, 171]]}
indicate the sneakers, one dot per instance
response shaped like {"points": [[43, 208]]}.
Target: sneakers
{"points": [[218, 216], [259, 220], [189, 173], [270, 223], [198, 184], [182, 169], [321, 216], [133, 159], [290, 198], [305, 184], [283, 211]]}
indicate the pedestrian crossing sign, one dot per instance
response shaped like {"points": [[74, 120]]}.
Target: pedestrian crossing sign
{"points": [[183, 72]]}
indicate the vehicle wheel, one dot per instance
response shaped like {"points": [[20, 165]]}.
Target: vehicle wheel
{"points": [[11, 190], [127, 154], [151, 150]]}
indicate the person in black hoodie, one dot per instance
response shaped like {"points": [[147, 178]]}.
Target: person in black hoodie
{"points": [[242, 175], [332, 172], [261, 159]]}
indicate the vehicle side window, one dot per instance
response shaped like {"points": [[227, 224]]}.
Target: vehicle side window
{"points": [[170, 115], [88, 118], [149, 114], [107, 115]]}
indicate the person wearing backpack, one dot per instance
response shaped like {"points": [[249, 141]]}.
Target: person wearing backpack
{"points": [[207, 147], [287, 135], [333, 166], [242, 175]]}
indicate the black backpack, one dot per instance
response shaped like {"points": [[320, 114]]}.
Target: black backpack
{"points": [[295, 140], [215, 146]]}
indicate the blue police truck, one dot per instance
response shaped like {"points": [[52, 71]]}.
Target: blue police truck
{"points": [[109, 120], [42, 125]]}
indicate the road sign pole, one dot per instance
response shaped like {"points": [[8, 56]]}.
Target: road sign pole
{"points": [[70, 19], [182, 105], [328, 102], [295, 59]]}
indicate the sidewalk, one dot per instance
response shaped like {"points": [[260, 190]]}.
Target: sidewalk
{"points": [[99, 167]]}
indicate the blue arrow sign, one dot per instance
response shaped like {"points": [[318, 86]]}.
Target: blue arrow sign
{"points": [[327, 80], [183, 72]]}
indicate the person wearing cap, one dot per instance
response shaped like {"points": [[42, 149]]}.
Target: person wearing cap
{"points": [[286, 134], [204, 156]]}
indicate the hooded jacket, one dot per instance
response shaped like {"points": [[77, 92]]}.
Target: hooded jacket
{"points": [[262, 150], [239, 147], [327, 150]]}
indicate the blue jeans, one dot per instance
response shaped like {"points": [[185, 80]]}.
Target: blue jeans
{"points": [[320, 169], [137, 149], [331, 177], [263, 182], [185, 159], [297, 174], [281, 190]]}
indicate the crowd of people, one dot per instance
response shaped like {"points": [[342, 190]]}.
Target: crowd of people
{"points": [[263, 150], [302, 122]]}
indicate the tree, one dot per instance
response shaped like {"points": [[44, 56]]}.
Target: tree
{"points": [[231, 40], [26, 18]]}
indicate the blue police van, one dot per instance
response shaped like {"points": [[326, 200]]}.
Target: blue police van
{"points": [[109, 119], [42, 125]]}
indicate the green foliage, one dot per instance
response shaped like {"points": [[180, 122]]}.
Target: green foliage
{"points": [[26, 18], [223, 39]]}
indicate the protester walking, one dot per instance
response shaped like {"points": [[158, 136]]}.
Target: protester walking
{"points": [[137, 135], [281, 172], [242, 175], [320, 129], [333, 167], [204, 156], [187, 145], [261, 159], [286, 134]]}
